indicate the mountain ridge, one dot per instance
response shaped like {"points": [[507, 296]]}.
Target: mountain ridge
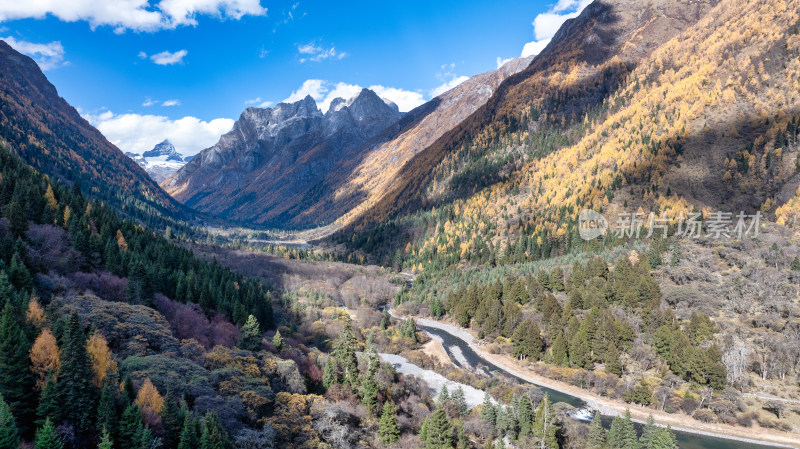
{"points": [[48, 133]]}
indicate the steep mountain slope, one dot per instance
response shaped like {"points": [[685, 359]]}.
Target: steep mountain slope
{"points": [[707, 120], [50, 135], [356, 183], [587, 60], [160, 162], [274, 156]]}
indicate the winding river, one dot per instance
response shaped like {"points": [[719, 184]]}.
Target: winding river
{"points": [[463, 355]]}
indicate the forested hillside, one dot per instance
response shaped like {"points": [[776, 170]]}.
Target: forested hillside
{"points": [[50, 135], [707, 120]]}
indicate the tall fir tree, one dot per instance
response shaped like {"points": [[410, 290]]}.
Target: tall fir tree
{"points": [[597, 434], [344, 353], [250, 335], [647, 432], [46, 437], [130, 426], [488, 410], [662, 439], [214, 435], [190, 434], [545, 425], [439, 432], [107, 410], [75, 377], [105, 440], [9, 437], [369, 387], [50, 404], [388, 429], [172, 416], [16, 380]]}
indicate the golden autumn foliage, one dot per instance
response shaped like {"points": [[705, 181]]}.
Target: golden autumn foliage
{"points": [[44, 357], [35, 314], [149, 396], [292, 420], [102, 359], [121, 242]]}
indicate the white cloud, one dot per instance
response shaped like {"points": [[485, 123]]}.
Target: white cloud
{"points": [[313, 87], [253, 101], [448, 78], [48, 56], [173, 102], [534, 48], [166, 57], [546, 24], [324, 92], [265, 104], [149, 102], [448, 85], [136, 15], [315, 53], [405, 100], [139, 133]]}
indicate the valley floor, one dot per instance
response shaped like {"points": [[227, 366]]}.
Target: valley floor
{"points": [[613, 407]]}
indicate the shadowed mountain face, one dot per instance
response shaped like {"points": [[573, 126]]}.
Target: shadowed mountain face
{"points": [[274, 156], [50, 135], [305, 168]]}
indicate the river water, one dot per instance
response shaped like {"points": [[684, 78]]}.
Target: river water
{"points": [[462, 355]]}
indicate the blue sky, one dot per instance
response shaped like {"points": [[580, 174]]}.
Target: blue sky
{"points": [[185, 69]]}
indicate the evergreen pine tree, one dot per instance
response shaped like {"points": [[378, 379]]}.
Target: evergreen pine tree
{"points": [[439, 433], [460, 399], [488, 411], [329, 374], [16, 380], [107, 411], [250, 335], [145, 438], [213, 435], [46, 437], [9, 437], [190, 435], [443, 396], [105, 440], [75, 377], [628, 439], [559, 351], [663, 439], [545, 426], [647, 432], [597, 434], [525, 416], [50, 404], [172, 422], [130, 425], [369, 388], [344, 353], [277, 341], [388, 429], [612, 360]]}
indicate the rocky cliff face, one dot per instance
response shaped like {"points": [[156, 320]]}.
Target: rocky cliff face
{"points": [[273, 156]]}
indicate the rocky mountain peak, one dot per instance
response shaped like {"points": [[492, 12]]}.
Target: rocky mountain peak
{"points": [[164, 149]]}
